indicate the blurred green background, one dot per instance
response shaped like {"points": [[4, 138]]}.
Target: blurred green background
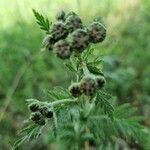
{"points": [[26, 71]]}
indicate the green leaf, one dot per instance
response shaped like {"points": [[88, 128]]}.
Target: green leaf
{"points": [[31, 131], [72, 64], [120, 111], [41, 21], [70, 67], [94, 70], [59, 93], [96, 62], [19, 142], [103, 101], [87, 53], [28, 129]]}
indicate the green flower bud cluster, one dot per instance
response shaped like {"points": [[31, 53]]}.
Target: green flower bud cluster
{"points": [[88, 85], [40, 113], [69, 34]]}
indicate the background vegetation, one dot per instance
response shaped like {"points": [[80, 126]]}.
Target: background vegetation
{"points": [[26, 71]]}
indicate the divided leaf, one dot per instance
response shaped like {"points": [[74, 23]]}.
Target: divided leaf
{"points": [[87, 53], [72, 64], [19, 142], [59, 93], [120, 111], [104, 101], [41, 21], [91, 67], [31, 131]]}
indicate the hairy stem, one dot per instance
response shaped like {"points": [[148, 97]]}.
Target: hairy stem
{"points": [[59, 102], [85, 69], [87, 130], [86, 144]]}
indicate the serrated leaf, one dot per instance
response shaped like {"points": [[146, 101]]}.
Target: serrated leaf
{"points": [[27, 133], [70, 67], [87, 53], [19, 142], [72, 64], [120, 111], [41, 21], [95, 63], [94, 70], [28, 128], [105, 104], [59, 93]]}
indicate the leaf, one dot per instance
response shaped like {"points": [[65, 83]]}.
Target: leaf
{"points": [[87, 53], [28, 129], [41, 21], [19, 142], [70, 67], [27, 133], [72, 64], [96, 63], [59, 93], [102, 100], [94, 70], [120, 111]]}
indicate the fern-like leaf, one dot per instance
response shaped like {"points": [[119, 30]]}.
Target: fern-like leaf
{"points": [[41, 21], [31, 131], [103, 100]]}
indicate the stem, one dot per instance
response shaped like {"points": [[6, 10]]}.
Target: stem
{"points": [[87, 130], [79, 68], [55, 124], [85, 69], [77, 134], [62, 102], [86, 144], [77, 78]]}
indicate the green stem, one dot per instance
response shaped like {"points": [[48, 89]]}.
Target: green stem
{"points": [[79, 67], [55, 123], [85, 69], [62, 102], [77, 76]]}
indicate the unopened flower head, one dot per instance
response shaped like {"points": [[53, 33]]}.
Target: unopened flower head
{"points": [[62, 49]]}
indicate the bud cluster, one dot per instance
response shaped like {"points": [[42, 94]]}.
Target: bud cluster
{"points": [[69, 34], [88, 85], [40, 113]]}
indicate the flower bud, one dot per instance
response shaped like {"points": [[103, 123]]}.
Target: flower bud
{"points": [[60, 16], [73, 22], [79, 40], [47, 112], [100, 81], [41, 121], [88, 85], [97, 32], [33, 107], [58, 31], [75, 90], [48, 42], [38, 118], [62, 49]]}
